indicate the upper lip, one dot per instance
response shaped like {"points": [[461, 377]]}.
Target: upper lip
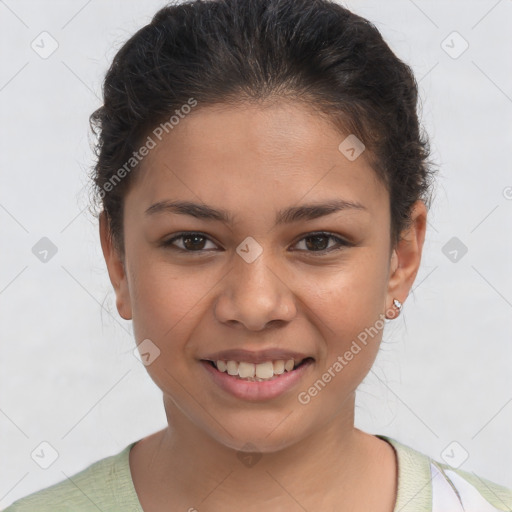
{"points": [[260, 356]]}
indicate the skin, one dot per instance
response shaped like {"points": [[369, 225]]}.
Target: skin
{"points": [[189, 305]]}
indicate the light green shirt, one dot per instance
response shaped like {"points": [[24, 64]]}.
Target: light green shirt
{"points": [[424, 485]]}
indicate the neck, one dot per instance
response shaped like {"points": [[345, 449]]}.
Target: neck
{"points": [[199, 470]]}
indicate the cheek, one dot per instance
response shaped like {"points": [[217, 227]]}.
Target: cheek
{"points": [[167, 307], [348, 306], [347, 311], [351, 296], [165, 299]]}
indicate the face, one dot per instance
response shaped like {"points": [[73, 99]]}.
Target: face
{"points": [[287, 255]]}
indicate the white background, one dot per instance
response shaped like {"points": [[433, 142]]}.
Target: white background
{"points": [[67, 372]]}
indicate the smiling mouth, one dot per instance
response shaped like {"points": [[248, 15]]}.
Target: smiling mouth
{"points": [[258, 372]]}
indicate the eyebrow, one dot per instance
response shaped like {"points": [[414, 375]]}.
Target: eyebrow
{"points": [[286, 216]]}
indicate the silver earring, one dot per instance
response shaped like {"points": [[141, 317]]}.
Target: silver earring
{"points": [[398, 307]]}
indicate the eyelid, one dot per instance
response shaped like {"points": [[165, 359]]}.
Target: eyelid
{"points": [[168, 242], [341, 242]]}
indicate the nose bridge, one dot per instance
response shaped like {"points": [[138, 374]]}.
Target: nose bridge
{"points": [[254, 294]]}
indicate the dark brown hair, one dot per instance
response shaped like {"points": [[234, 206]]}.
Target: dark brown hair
{"points": [[235, 51]]}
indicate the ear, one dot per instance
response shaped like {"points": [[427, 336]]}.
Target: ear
{"points": [[116, 269], [406, 256]]}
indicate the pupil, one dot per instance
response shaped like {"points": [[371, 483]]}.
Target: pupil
{"points": [[192, 237], [315, 245]]}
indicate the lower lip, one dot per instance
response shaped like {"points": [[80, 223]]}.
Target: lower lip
{"points": [[254, 390]]}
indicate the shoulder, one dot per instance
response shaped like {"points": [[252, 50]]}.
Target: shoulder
{"points": [[425, 484], [472, 491], [105, 485]]}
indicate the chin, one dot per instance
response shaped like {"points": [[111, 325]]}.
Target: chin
{"points": [[259, 434]]}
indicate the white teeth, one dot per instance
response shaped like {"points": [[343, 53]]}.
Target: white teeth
{"points": [[261, 371], [232, 367], [278, 367], [264, 370], [288, 366], [246, 370]]}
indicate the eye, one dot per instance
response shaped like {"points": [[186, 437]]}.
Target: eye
{"points": [[194, 242], [191, 242], [318, 242]]}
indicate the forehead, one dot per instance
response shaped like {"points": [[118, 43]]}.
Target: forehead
{"points": [[251, 157]]}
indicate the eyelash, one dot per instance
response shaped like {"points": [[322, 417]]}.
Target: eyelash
{"points": [[340, 242]]}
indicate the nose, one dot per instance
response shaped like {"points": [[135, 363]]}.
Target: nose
{"points": [[255, 295]]}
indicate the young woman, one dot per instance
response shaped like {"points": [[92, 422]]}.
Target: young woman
{"points": [[264, 186]]}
